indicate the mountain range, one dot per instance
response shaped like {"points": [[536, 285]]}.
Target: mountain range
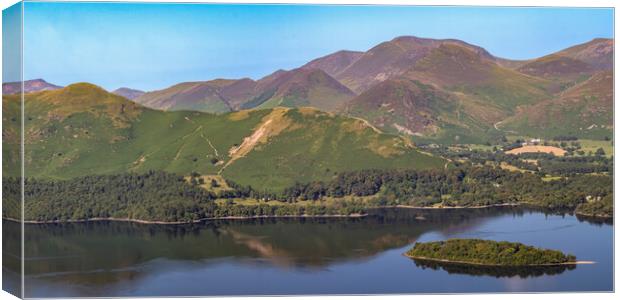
{"points": [[433, 90], [445, 91]]}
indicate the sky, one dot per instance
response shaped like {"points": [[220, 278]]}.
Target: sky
{"points": [[152, 46], [11, 46]]}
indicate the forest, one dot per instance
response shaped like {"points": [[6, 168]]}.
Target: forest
{"points": [[166, 197]]}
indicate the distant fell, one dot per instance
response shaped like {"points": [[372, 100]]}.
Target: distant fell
{"points": [[128, 93], [30, 86]]}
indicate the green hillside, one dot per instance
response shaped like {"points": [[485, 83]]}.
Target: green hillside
{"points": [[301, 88], [463, 71], [82, 129], [411, 108], [199, 96], [584, 110]]}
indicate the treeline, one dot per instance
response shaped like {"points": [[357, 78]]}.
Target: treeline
{"points": [[460, 186], [153, 196], [477, 251], [160, 196], [567, 166], [343, 208]]}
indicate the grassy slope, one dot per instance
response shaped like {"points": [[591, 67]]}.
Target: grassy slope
{"points": [[323, 146], [409, 107], [304, 87], [198, 96], [11, 120], [573, 112], [461, 70], [100, 133]]}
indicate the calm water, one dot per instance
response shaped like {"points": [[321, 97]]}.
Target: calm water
{"points": [[307, 256]]}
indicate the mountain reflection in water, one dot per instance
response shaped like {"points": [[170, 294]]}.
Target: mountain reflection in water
{"points": [[106, 258]]}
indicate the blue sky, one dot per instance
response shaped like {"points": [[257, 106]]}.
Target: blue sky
{"points": [[152, 46], [11, 46]]}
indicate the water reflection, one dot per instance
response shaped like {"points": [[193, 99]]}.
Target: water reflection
{"points": [[494, 271], [102, 258], [62, 248]]}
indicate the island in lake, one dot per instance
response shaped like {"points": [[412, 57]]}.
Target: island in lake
{"points": [[488, 253]]}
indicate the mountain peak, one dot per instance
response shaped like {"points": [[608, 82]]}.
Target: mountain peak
{"points": [[128, 93], [30, 86], [84, 87]]}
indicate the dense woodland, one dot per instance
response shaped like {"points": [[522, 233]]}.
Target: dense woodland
{"points": [[477, 251], [160, 196], [154, 196], [460, 186]]}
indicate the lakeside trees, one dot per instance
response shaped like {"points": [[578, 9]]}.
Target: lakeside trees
{"points": [[485, 252], [460, 186], [160, 196]]}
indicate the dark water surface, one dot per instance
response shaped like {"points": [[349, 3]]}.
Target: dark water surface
{"points": [[306, 256]]}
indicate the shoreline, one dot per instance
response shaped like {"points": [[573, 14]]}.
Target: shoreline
{"points": [[453, 207], [595, 216], [139, 221], [356, 215], [459, 262]]}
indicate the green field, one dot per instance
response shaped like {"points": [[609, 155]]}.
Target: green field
{"points": [[593, 145]]}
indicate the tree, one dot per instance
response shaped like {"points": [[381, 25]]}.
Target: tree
{"points": [[600, 152], [214, 183]]}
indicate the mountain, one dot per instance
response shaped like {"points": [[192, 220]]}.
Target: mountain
{"points": [[598, 53], [302, 87], [199, 96], [359, 71], [82, 129], [30, 86], [557, 67], [451, 92], [295, 88], [473, 74], [409, 107], [128, 93], [584, 110], [574, 64], [333, 64]]}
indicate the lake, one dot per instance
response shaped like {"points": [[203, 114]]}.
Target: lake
{"points": [[305, 256]]}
